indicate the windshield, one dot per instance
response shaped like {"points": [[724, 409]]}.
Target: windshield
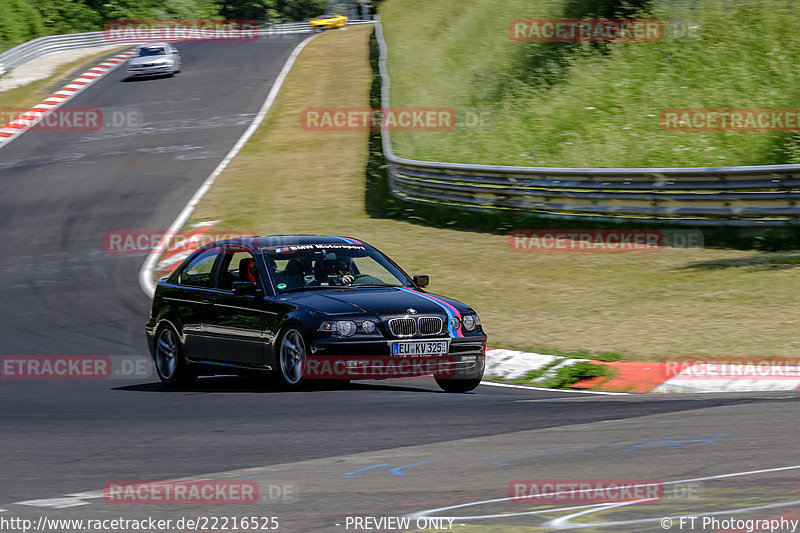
{"points": [[152, 51], [320, 266]]}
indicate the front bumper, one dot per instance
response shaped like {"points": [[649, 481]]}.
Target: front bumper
{"points": [[151, 71], [327, 26], [150, 332], [334, 357]]}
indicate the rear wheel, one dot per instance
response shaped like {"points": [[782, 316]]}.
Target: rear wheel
{"points": [[458, 385], [292, 353], [171, 366]]}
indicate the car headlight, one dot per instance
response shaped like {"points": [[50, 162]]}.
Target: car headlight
{"points": [[345, 328], [368, 326], [470, 322], [456, 322]]}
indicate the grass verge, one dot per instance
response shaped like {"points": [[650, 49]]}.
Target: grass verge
{"points": [[679, 302], [590, 105], [569, 375]]}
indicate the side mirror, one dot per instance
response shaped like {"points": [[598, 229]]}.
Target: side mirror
{"points": [[422, 280], [244, 288]]}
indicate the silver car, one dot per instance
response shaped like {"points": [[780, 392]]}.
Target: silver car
{"points": [[155, 59]]}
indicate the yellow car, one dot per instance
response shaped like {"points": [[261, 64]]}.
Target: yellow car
{"points": [[328, 21]]}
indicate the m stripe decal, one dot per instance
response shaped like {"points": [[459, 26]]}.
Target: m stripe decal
{"points": [[449, 309], [350, 241]]}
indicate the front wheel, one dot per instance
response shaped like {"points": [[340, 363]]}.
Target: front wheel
{"points": [[171, 366], [458, 385], [292, 353]]}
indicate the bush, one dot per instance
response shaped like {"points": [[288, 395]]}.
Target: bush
{"points": [[569, 375]]}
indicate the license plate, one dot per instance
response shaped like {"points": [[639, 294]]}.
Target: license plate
{"points": [[411, 348]]}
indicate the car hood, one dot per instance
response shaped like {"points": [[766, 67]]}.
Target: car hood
{"points": [[149, 59], [379, 302]]}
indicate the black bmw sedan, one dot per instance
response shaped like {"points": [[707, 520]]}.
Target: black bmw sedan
{"points": [[307, 307]]}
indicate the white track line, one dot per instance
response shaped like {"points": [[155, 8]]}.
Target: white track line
{"points": [[510, 385], [146, 273], [523, 513]]}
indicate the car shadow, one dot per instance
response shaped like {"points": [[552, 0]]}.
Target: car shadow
{"points": [[764, 261], [238, 384], [145, 78]]}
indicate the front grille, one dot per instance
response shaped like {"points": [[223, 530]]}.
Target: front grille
{"points": [[408, 327], [403, 327], [430, 325]]}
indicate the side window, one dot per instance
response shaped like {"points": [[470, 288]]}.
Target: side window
{"points": [[198, 273], [241, 267]]}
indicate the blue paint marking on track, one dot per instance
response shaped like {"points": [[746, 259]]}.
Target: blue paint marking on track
{"points": [[694, 442], [506, 460], [397, 471], [351, 474]]}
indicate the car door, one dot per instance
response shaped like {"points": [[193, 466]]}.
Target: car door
{"points": [[193, 300], [239, 325]]}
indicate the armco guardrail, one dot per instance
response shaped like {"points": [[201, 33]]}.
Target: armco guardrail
{"points": [[735, 196], [28, 51], [36, 48]]}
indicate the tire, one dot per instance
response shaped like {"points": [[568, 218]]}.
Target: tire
{"points": [[171, 366], [292, 351], [458, 385]]}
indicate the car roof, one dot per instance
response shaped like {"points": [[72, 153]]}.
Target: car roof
{"points": [[148, 45], [266, 241]]}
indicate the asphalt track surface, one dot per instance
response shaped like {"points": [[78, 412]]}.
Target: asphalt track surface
{"points": [[374, 449]]}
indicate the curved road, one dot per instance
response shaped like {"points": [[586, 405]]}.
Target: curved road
{"points": [[374, 449]]}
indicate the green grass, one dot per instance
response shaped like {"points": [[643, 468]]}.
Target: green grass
{"points": [[569, 375], [593, 106], [532, 375]]}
